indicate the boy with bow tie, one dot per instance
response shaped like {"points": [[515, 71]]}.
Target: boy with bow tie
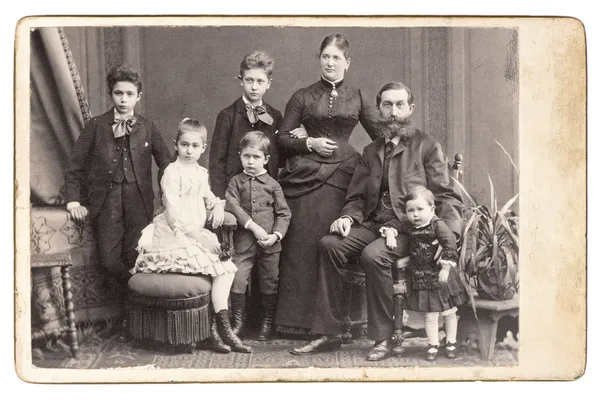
{"points": [[248, 113], [109, 177]]}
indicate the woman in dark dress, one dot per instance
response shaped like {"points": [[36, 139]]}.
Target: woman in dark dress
{"points": [[316, 175]]}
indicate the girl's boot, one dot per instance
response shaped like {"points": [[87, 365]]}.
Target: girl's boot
{"points": [[214, 341], [227, 334]]}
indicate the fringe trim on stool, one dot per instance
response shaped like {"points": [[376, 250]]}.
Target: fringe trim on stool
{"points": [[170, 304], [169, 326]]}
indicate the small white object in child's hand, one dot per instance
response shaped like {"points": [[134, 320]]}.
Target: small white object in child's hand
{"points": [[146, 144]]}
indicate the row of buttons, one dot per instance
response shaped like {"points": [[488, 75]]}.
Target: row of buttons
{"points": [[110, 172], [331, 105]]}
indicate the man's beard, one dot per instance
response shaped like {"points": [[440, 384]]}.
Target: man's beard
{"points": [[393, 126]]}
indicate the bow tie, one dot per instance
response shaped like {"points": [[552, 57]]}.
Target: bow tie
{"points": [[258, 113], [122, 127]]}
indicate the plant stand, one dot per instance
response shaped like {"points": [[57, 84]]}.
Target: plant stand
{"points": [[489, 313]]}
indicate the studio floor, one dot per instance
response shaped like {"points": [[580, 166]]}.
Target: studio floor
{"points": [[104, 350]]}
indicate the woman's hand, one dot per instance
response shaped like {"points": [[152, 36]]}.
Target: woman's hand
{"points": [[323, 146], [299, 133], [217, 215], [79, 214]]}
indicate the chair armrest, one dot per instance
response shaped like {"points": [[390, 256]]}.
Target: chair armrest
{"points": [[229, 221]]}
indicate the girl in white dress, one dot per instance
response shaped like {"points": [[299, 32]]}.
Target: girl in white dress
{"points": [[177, 241]]}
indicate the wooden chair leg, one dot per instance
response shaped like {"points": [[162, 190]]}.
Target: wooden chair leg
{"points": [[397, 336], [68, 296], [347, 322]]}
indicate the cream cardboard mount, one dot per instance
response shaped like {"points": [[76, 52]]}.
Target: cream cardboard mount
{"points": [[551, 126]]}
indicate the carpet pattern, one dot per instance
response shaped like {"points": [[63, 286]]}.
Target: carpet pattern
{"points": [[108, 352]]}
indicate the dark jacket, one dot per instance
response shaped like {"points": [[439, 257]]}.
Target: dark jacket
{"points": [[95, 156], [259, 199], [231, 125], [420, 161]]}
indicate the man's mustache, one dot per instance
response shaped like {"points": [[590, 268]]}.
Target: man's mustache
{"points": [[393, 126]]}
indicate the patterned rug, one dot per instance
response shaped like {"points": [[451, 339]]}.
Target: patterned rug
{"points": [[98, 352]]}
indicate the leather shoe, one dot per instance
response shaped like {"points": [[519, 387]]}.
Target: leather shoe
{"points": [[321, 344], [380, 351]]}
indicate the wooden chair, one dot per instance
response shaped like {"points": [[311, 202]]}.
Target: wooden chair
{"points": [[354, 277]]}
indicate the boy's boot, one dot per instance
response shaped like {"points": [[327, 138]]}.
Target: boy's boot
{"points": [[267, 305], [227, 334], [238, 310]]}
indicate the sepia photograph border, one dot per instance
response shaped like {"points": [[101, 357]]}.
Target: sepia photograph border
{"points": [[552, 160]]}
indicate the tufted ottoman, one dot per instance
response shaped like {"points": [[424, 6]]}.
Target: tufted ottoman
{"points": [[174, 308], [169, 308]]}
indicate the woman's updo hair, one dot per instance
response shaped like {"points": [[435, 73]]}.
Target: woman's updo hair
{"points": [[191, 125], [420, 192], [338, 40]]}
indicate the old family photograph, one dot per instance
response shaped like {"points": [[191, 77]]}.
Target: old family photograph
{"points": [[274, 197]]}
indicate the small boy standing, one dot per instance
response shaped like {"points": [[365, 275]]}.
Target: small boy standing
{"points": [[109, 177], [258, 203], [248, 113]]}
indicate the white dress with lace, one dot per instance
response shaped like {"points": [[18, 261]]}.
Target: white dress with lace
{"points": [[176, 240]]}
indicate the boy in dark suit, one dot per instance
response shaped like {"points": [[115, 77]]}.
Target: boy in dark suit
{"points": [[258, 203], [248, 113], [109, 178]]}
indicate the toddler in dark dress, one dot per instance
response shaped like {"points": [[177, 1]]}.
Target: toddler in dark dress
{"points": [[433, 283]]}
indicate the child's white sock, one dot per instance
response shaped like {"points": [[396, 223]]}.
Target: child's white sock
{"points": [[431, 327], [450, 326], [219, 293]]}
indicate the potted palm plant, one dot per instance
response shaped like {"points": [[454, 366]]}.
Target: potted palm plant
{"points": [[489, 254]]}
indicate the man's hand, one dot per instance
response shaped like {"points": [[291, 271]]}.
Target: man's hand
{"points": [[269, 241], [79, 214], [341, 226]]}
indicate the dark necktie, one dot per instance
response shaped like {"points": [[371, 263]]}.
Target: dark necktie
{"points": [[258, 113], [123, 126], [389, 149]]}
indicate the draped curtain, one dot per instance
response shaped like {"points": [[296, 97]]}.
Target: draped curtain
{"points": [[58, 113]]}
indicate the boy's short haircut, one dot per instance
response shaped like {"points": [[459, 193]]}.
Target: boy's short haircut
{"points": [[123, 73], [256, 139], [257, 59]]}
